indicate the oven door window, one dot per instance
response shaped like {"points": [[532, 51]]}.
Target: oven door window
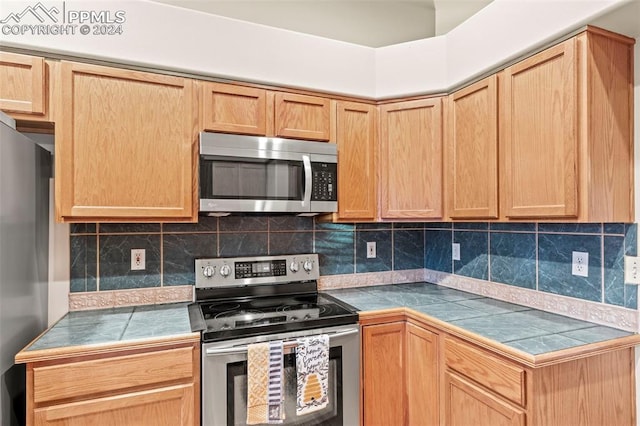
{"points": [[329, 416], [249, 179]]}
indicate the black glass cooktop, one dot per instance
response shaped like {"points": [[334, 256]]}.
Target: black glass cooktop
{"points": [[232, 318]]}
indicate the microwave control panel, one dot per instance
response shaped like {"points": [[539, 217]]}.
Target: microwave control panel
{"points": [[324, 182]]}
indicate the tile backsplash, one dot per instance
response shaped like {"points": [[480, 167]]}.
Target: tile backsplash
{"points": [[528, 255]]}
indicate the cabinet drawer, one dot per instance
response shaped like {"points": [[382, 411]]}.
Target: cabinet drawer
{"points": [[497, 375], [84, 378]]}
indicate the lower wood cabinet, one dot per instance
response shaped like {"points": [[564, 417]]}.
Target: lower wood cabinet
{"points": [[416, 373], [159, 386]]}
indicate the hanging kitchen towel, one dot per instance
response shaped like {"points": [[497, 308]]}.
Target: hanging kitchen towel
{"points": [[312, 364], [264, 383]]}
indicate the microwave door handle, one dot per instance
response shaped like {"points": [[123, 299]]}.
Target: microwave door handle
{"points": [[308, 180]]}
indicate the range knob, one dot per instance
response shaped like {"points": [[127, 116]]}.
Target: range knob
{"points": [[225, 270], [294, 266], [307, 265], [208, 271]]}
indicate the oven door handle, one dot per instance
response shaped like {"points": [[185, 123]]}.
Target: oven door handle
{"points": [[287, 345]]}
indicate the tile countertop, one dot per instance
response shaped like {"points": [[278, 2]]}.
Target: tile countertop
{"points": [[116, 326], [526, 329]]}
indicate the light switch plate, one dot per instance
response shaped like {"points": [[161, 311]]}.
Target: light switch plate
{"points": [[371, 249], [455, 251]]}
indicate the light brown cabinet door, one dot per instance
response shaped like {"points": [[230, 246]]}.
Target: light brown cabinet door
{"points": [[466, 404], [125, 146], [411, 159], [471, 151], [539, 135], [234, 109], [302, 117], [357, 143], [22, 84], [421, 376], [383, 374], [170, 406]]}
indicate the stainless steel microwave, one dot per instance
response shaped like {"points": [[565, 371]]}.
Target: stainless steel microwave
{"points": [[264, 174]]}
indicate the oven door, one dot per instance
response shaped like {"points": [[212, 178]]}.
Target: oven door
{"points": [[224, 380]]}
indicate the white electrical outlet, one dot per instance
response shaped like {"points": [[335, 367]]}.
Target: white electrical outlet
{"points": [[371, 249], [580, 264], [455, 251], [137, 260], [632, 270]]}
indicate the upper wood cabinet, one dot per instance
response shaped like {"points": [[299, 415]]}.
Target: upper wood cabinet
{"points": [[125, 146], [234, 109], [23, 84], [566, 131], [302, 117], [471, 151], [357, 138], [411, 159]]}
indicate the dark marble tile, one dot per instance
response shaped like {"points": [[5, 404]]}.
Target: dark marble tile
{"points": [[554, 266], [516, 227], [438, 225], [543, 344], [614, 270], [84, 261], [205, 224], [128, 228], [613, 228], [631, 296], [437, 250], [513, 259], [573, 228], [238, 223], [631, 239], [335, 252], [408, 249], [180, 252], [290, 223], [492, 306], [243, 244], [408, 225], [327, 226], [82, 228], [473, 254], [115, 261], [471, 225], [596, 334], [290, 242], [382, 261], [373, 226]]}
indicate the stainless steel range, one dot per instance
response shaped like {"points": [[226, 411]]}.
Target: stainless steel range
{"points": [[246, 300]]}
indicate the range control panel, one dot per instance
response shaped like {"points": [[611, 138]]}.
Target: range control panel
{"points": [[222, 272]]}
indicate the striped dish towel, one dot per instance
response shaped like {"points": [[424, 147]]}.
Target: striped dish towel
{"points": [[312, 365], [264, 383]]}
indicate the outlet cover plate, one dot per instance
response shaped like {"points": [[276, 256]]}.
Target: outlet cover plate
{"points": [[632, 270], [138, 261], [580, 264]]}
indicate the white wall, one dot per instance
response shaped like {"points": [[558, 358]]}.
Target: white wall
{"points": [[163, 36]]}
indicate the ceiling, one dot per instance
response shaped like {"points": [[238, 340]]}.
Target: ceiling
{"points": [[373, 23]]}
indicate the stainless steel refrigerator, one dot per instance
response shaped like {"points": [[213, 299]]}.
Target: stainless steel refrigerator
{"points": [[25, 169]]}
